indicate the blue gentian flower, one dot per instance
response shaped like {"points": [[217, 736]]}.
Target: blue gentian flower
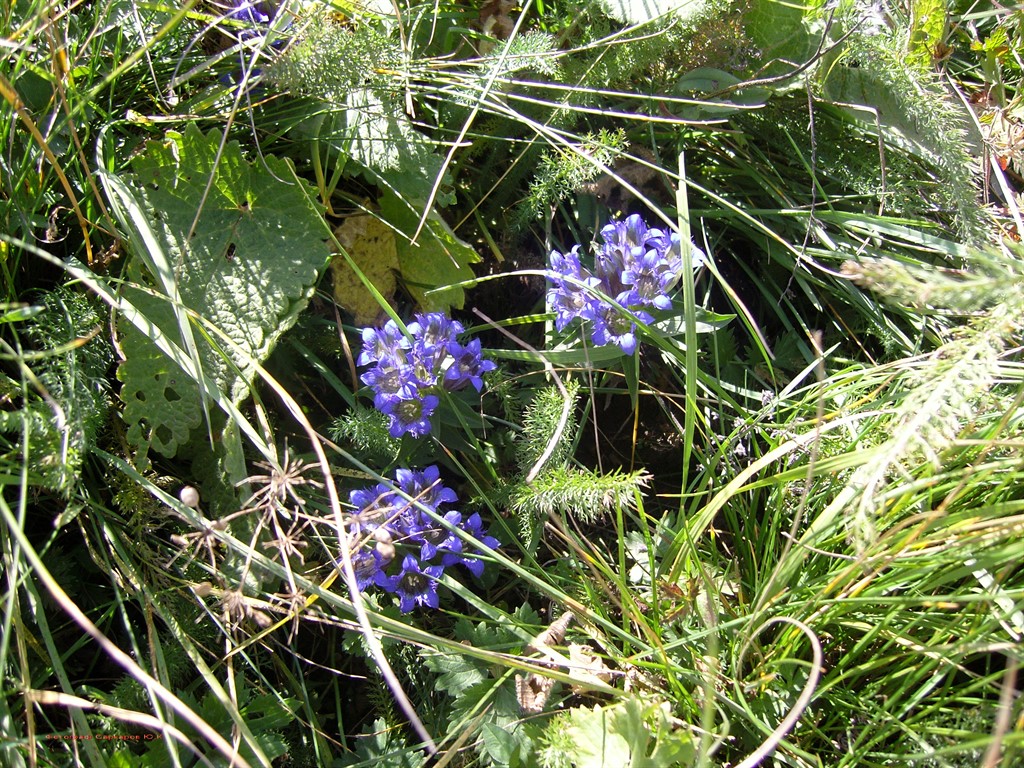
{"points": [[386, 343], [385, 523], [409, 412], [472, 525], [635, 264], [368, 566], [249, 11], [376, 507], [253, 19], [570, 297], [434, 537], [610, 326], [425, 487], [624, 243], [415, 585], [390, 383], [648, 277], [467, 367], [409, 368], [433, 333], [674, 257]]}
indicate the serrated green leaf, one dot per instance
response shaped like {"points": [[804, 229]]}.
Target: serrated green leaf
{"points": [[248, 266], [437, 260], [455, 673], [502, 713], [383, 747]]}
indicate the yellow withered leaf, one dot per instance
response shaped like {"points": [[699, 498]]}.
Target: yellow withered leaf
{"points": [[371, 245]]}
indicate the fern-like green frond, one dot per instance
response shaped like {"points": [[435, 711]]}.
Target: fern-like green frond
{"points": [[563, 172], [330, 61], [69, 400], [366, 430], [917, 114], [578, 493], [540, 422]]}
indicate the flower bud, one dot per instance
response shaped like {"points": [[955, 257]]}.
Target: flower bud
{"points": [[189, 496]]}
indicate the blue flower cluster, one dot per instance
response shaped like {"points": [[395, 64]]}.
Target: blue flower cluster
{"points": [[409, 369], [252, 13], [252, 19], [636, 265], [388, 525]]}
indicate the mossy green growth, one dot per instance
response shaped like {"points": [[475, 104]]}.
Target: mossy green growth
{"points": [[63, 390]]}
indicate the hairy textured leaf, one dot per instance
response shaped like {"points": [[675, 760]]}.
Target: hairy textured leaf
{"points": [[438, 259], [248, 267]]}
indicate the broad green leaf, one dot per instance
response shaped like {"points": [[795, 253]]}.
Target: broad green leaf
{"points": [[707, 322], [597, 743], [438, 259], [16, 314], [627, 735], [162, 405], [708, 80], [383, 140], [248, 268], [499, 743], [123, 758], [455, 673], [642, 11], [786, 33], [927, 30]]}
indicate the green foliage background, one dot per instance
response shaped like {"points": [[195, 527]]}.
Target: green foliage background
{"points": [[787, 531]]}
